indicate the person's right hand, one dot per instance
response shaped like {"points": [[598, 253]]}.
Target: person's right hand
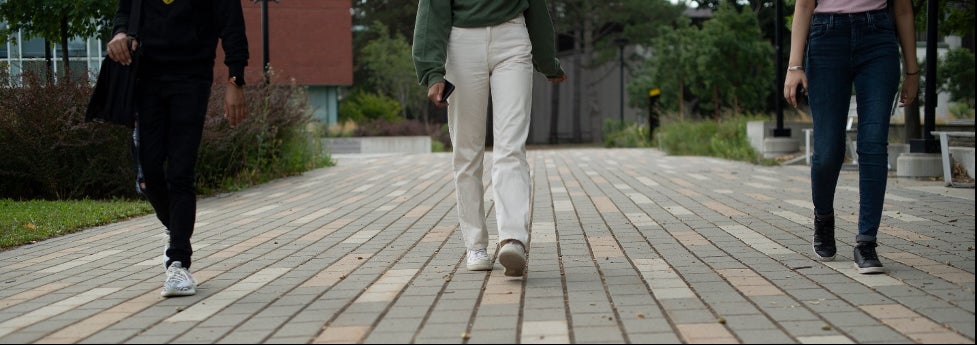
{"points": [[434, 94], [794, 82], [119, 48]]}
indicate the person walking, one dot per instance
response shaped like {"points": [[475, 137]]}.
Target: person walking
{"points": [[487, 49], [844, 43], [176, 47]]}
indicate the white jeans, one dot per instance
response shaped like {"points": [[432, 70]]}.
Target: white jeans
{"points": [[494, 60]]}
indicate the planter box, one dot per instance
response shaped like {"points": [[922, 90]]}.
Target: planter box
{"points": [[409, 144]]}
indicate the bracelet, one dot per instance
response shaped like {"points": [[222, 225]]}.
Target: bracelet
{"points": [[914, 73], [795, 68]]}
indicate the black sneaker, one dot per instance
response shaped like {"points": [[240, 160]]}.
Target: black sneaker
{"points": [[824, 237], [866, 259]]}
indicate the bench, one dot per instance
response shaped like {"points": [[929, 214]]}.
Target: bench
{"points": [[945, 153]]}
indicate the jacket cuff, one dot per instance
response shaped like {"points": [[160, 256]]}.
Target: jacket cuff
{"points": [[236, 71], [434, 79]]}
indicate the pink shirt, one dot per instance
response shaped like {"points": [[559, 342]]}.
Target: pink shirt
{"points": [[848, 6]]}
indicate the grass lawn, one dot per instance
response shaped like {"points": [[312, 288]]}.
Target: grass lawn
{"points": [[23, 222]]}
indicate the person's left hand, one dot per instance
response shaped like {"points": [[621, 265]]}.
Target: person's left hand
{"points": [[910, 86], [557, 80], [235, 108]]}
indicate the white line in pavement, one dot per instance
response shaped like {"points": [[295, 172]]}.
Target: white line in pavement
{"points": [[260, 210], [80, 261], [640, 219], [213, 304], [622, 186], [363, 188], [664, 282], [677, 210], [639, 198], [902, 216], [361, 236], [898, 198], [697, 177], [794, 217], [759, 185], [647, 181], [825, 339], [545, 332], [756, 240], [562, 206], [801, 203], [766, 178], [871, 280], [55, 309]]}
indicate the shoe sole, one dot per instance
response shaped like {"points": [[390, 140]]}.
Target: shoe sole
{"points": [[178, 293], [870, 270], [480, 267], [515, 264], [824, 258]]}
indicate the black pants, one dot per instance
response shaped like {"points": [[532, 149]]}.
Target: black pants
{"points": [[170, 123]]}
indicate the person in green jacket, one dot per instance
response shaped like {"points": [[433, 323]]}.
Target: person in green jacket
{"points": [[487, 48]]}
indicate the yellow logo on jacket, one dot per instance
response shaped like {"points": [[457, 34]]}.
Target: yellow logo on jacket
{"points": [[168, 1]]}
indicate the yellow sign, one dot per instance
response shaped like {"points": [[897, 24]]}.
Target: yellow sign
{"points": [[168, 1], [654, 92]]}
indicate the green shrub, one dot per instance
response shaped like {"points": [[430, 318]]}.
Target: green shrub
{"points": [[273, 141], [629, 135], [362, 106], [723, 138], [50, 152]]}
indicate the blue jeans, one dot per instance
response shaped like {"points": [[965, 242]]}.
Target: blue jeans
{"points": [[859, 49]]}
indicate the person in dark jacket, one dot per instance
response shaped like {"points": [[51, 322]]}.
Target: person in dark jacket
{"points": [[488, 48], [176, 48]]}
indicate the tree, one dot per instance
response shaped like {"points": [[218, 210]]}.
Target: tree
{"points": [[594, 26], [56, 20], [388, 61], [717, 64], [955, 72]]}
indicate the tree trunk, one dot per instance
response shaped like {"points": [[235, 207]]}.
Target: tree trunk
{"points": [[681, 99], [48, 62], [715, 101], [64, 48]]}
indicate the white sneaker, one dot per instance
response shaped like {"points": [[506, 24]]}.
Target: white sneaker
{"points": [[478, 260], [178, 281], [512, 256]]}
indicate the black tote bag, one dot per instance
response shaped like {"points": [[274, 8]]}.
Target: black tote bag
{"points": [[113, 100]]}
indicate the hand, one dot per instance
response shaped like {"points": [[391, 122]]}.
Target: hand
{"points": [[434, 94], [235, 109], [910, 86], [557, 80], [119, 48], [794, 82]]}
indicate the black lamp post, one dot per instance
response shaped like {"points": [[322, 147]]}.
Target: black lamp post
{"points": [[622, 42], [780, 131], [929, 144], [264, 38]]}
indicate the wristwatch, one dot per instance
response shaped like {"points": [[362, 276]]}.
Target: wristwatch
{"points": [[235, 81]]}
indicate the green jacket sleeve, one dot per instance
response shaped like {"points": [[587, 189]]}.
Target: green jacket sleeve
{"points": [[543, 38], [431, 31]]}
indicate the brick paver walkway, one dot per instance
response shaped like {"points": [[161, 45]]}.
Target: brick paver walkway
{"points": [[628, 246]]}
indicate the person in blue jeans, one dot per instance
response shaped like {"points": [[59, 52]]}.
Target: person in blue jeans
{"points": [[845, 43]]}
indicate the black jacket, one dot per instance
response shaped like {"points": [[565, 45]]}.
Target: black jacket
{"points": [[180, 38]]}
